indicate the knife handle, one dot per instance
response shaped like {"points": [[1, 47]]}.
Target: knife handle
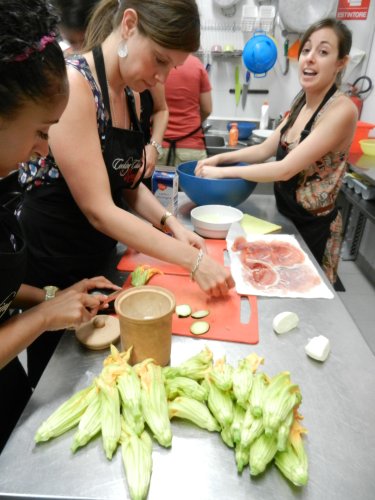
{"points": [[252, 91]]}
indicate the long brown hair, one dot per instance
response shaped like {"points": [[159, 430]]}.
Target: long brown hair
{"points": [[344, 37], [173, 24]]}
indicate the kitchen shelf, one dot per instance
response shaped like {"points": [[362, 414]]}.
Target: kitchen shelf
{"points": [[226, 54]]}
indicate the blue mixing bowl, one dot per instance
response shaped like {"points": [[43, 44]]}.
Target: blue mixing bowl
{"points": [[203, 191]]}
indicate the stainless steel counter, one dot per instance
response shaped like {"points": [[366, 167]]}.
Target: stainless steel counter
{"points": [[338, 406]]}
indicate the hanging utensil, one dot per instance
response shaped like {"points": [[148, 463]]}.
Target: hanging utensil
{"points": [[286, 57], [237, 85], [245, 88]]}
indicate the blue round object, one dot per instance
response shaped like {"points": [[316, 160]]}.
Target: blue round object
{"points": [[203, 191], [245, 129], [259, 54]]}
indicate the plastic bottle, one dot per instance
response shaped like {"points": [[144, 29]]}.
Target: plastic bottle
{"points": [[233, 134], [264, 116]]}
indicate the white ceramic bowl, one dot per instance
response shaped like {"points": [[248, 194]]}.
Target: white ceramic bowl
{"points": [[214, 221], [262, 134]]}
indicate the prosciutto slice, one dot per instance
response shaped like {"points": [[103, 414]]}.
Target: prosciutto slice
{"points": [[299, 278], [279, 253], [275, 266], [260, 274]]}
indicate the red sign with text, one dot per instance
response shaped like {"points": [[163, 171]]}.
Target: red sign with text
{"points": [[352, 10]]}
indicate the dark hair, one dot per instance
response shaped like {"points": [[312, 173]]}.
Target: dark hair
{"points": [[173, 24], [75, 14], [32, 65], [344, 37]]}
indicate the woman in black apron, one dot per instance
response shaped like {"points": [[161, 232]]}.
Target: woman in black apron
{"points": [[15, 388], [314, 228], [311, 146], [79, 201]]}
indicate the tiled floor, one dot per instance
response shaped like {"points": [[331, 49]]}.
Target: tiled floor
{"points": [[359, 299]]}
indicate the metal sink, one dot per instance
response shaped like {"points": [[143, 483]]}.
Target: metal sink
{"points": [[214, 141], [217, 144]]}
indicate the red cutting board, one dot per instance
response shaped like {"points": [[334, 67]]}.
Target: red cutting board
{"points": [[131, 259], [224, 318]]}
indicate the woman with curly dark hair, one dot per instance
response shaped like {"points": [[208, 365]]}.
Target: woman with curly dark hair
{"points": [[33, 95]]}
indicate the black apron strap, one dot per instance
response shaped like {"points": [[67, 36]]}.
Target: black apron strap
{"points": [[306, 131], [100, 71], [132, 110], [173, 143]]}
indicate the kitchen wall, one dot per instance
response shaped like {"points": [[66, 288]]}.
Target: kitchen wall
{"points": [[219, 29]]}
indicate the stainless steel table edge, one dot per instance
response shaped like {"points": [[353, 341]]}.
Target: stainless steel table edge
{"points": [[338, 406]]}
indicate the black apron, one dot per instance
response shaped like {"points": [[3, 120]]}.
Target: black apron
{"points": [[147, 110], [15, 389], [173, 144], [315, 229], [63, 246], [124, 149]]}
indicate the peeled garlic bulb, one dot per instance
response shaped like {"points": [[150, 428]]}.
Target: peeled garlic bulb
{"points": [[285, 321], [318, 348]]}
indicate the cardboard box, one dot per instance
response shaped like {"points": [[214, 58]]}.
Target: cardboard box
{"points": [[165, 187]]}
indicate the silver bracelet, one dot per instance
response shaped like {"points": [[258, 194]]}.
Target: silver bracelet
{"points": [[196, 265]]}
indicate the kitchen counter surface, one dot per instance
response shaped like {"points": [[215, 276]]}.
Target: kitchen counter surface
{"points": [[338, 407]]}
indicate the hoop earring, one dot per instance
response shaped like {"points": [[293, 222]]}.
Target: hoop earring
{"points": [[122, 50]]}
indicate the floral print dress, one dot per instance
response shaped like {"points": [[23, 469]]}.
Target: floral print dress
{"points": [[317, 190]]}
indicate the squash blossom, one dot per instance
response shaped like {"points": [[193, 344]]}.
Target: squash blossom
{"points": [[293, 461], [142, 274]]}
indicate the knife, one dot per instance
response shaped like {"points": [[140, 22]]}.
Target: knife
{"points": [[245, 88], [237, 86]]}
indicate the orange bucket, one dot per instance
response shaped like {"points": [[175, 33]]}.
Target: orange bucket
{"points": [[361, 132]]}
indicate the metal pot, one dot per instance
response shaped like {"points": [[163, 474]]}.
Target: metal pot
{"points": [[298, 15]]}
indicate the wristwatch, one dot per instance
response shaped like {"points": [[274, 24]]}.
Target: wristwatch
{"points": [[158, 147], [50, 292]]}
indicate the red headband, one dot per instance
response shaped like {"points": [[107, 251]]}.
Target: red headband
{"points": [[39, 47]]}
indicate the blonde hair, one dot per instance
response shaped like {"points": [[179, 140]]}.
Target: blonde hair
{"points": [[173, 24]]}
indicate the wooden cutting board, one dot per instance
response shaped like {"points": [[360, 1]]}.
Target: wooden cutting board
{"points": [[225, 313], [131, 259]]}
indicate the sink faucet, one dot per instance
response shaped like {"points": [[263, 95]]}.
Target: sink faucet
{"points": [[206, 127]]}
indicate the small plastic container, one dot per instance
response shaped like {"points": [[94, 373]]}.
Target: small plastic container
{"points": [[264, 116], [362, 132], [233, 135]]}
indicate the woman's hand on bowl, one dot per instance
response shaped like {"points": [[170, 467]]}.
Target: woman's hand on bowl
{"points": [[208, 171], [211, 161]]}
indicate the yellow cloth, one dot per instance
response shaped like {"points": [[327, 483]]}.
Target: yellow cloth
{"points": [[253, 225]]}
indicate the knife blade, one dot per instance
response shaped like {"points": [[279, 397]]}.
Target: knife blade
{"points": [[237, 86], [245, 88]]}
